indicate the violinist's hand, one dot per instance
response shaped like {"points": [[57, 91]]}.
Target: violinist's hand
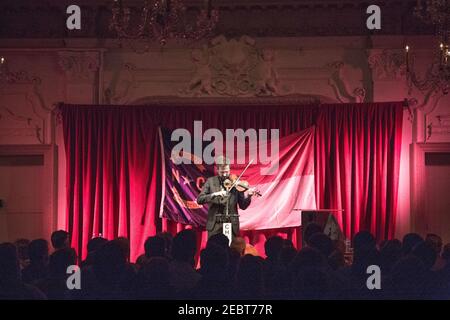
{"points": [[250, 192], [222, 193]]}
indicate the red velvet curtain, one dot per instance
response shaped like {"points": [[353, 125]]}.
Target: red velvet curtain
{"points": [[357, 160], [113, 164]]}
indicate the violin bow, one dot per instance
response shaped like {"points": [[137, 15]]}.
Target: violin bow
{"points": [[239, 177]]}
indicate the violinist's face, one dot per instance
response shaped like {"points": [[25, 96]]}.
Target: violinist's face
{"points": [[223, 171]]}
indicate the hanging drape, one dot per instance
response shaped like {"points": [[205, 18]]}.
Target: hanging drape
{"points": [[113, 164]]}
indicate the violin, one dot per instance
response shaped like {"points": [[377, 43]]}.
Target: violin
{"points": [[241, 186]]}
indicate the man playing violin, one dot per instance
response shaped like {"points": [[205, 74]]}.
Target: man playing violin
{"points": [[215, 194]]}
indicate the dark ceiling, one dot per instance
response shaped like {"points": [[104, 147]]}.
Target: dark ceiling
{"points": [[257, 18]]}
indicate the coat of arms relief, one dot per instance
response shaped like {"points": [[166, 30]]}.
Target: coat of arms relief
{"points": [[233, 68]]}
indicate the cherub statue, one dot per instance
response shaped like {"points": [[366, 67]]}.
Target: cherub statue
{"points": [[267, 83], [202, 80]]}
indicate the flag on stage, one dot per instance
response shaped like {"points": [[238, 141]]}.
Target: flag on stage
{"points": [[290, 186]]}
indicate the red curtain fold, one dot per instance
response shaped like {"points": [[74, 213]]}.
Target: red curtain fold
{"points": [[357, 158], [113, 164]]}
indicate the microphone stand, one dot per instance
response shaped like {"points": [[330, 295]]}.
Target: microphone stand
{"points": [[233, 185], [228, 220]]}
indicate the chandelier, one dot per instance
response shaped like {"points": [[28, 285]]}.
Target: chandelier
{"points": [[437, 76], [161, 20]]}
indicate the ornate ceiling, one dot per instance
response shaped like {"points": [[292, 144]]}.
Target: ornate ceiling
{"points": [[256, 18]]}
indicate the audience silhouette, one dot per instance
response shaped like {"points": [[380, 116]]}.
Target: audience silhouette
{"points": [[414, 268]]}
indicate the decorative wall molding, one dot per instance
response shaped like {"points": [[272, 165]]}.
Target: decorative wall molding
{"points": [[35, 118], [440, 126], [119, 90], [18, 132], [19, 77], [340, 86], [387, 64], [35, 126], [426, 122], [294, 99], [79, 65], [232, 68], [425, 85]]}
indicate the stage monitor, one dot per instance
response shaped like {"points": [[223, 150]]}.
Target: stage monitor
{"points": [[325, 219]]}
